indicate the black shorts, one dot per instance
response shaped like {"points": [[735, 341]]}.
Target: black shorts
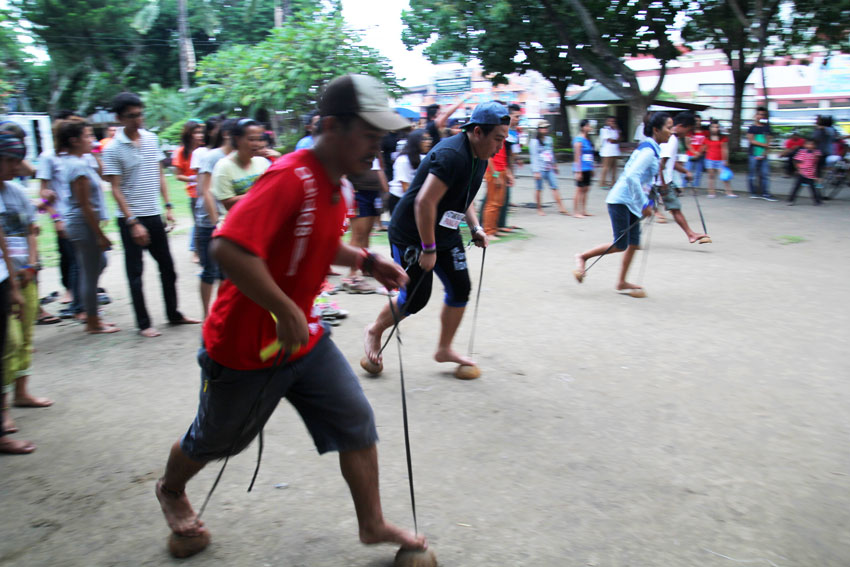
{"points": [[369, 203], [586, 178], [450, 268], [235, 404]]}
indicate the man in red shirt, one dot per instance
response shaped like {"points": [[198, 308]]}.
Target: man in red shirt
{"points": [[276, 248]]}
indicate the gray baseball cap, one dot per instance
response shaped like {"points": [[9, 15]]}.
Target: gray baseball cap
{"points": [[361, 95]]}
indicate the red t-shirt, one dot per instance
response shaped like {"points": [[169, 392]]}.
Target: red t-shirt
{"points": [[182, 165], [791, 143], [807, 162], [714, 148], [292, 218], [500, 160], [698, 139]]}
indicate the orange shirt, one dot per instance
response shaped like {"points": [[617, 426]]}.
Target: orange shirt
{"points": [[183, 167]]}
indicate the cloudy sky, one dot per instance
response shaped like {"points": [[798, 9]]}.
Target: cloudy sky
{"points": [[381, 29]]}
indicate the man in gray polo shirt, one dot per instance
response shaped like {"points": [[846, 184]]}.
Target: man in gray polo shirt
{"points": [[133, 164]]}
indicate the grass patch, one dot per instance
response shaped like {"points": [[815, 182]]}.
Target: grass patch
{"points": [[788, 239], [48, 250]]}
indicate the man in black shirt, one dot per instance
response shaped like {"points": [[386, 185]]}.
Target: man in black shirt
{"points": [[425, 228]]}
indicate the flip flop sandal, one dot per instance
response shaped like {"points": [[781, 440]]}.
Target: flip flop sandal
{"points": [[47, 319]]}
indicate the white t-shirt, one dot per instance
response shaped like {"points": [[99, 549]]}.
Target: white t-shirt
{"points": [[670, 150], [402, 171], [196, 159], [609, 148]]}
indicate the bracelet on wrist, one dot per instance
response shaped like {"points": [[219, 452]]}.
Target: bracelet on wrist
{"points": [[478, 228], [430, 251], [169, 206], [427, 247], [365, 262], [56, 217]]}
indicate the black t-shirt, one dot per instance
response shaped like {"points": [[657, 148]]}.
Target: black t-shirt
{"points": [[824, 138], [453, 162], [388, 145], [433, 131], [763, 130]]}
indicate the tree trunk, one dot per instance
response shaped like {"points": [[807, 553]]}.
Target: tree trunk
{"points": [[739, 79], [58, 84], [637, 110], [567, 137], [278, 14], [183, 32]]}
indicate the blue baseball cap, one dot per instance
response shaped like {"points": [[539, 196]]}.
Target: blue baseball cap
{"points": [[489, 113]]}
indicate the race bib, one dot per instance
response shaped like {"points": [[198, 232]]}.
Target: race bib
{"points": [[17, 246], [587, 158], [451, 219], [547, 156], [379, 203]]}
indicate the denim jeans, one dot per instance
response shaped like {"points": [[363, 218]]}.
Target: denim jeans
{"points": [[696, 166], [760, 168], [549, 177]]}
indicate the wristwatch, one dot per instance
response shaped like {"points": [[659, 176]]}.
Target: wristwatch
{"points": [[132, 220]]}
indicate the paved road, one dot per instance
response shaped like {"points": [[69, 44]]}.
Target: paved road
{"points": [[704, 425]]}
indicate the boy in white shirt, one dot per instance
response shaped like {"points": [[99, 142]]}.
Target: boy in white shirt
{"points": [[682, 125]]}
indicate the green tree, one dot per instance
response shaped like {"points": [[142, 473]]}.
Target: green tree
{"points": [[512, 42], [286, 71], [565, 40], [97, 48], [747, 32]]}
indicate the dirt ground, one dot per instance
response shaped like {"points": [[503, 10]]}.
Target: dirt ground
{"points": [[704, 425]]}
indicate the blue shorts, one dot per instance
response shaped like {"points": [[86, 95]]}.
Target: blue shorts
{"points": [[369, 203], [621, 219], [235, 404], [203, 237], [713, 164]]}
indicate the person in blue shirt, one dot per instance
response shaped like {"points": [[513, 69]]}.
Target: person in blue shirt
{"points": [[628, 200], [582, 168]]}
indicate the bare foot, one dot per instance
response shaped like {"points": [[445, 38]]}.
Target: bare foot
{"points": [[579, 271], [586, 214], [449, 355], [150, 332], [578, 216], [66, 298], [564, 212], [625, 286], [103, 329], [541, 213], [388, 533], [185, 321], [29, 401], [694, 237], [372, 345], [179, 515], [15, 446], [8, 425]]}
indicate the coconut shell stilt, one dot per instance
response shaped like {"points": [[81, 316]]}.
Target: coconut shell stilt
{"points": [[704, 240], [186, 546], [639, 293], [415, 558], [579, 275], [371, 367], [467, 372]]}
